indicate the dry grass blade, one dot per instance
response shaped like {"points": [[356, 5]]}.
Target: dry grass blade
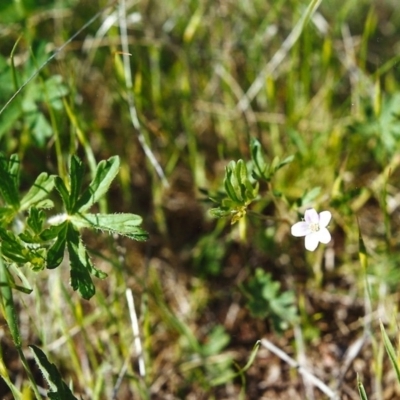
{"points": [[279, 56], [136, 333], [131, 100], [294, 364]]}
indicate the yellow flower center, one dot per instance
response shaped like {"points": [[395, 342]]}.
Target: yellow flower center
{"points": [[314, 227]]}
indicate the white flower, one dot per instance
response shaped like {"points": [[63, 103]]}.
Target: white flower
{"points": [[313, 228]]}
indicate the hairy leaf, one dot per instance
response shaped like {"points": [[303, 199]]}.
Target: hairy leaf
{"points": [[121, 224], [104, 175], [41, 188], [64, 193], [9, 173], [59, 390], [76, 176], [55, 254], [81, 265]]}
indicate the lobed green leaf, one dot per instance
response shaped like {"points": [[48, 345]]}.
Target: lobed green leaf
{"points": [[14, 269], [7, 214], [9, 172], [55, 254], [81, 265], [231, 183], [219, 212], [104, 175], [265, 300], [36, 195], [257, 156], [121, 224], [16, 250], [76, 177], [59, 390], [35, 220], [261, 169], [64, 193]]}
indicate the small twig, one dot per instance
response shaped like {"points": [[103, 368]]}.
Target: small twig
{"points": [[294, 364]]}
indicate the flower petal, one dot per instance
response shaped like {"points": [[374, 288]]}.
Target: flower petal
{"points": [[312, 241], [311, 216], [324, 218], [300, 229], [324, 236]]}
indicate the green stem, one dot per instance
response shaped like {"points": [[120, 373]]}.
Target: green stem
{"points": [[10, 316], [242, 229], [6, 377]]}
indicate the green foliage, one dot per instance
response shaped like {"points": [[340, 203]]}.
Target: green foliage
{"points": [[308, 197], [265, 300], [240, 192], [394, 359], [30, 112], [361, 390], [241, 186], [261, 169], [14, 11], [321, 86], [9, 170], [42, 244], [28, 239], [208, 255], [240, 373], [120, 224], [381, 131], [217, 341], [76, 203], [59, 390]]}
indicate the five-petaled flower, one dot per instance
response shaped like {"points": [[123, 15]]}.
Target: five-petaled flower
{"points": [[313, 228]]}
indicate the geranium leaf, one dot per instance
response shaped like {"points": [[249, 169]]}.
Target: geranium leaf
{"points": [[9, 173], [76, 176], [43, 185], [104, 175], [59, 390], [121, 224], [81, 265], [55, 254], [64, 193]]}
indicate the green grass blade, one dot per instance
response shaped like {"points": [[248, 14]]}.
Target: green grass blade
{"points": [[390, 351], [10, 315], [361, 390], [241, 371]]}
